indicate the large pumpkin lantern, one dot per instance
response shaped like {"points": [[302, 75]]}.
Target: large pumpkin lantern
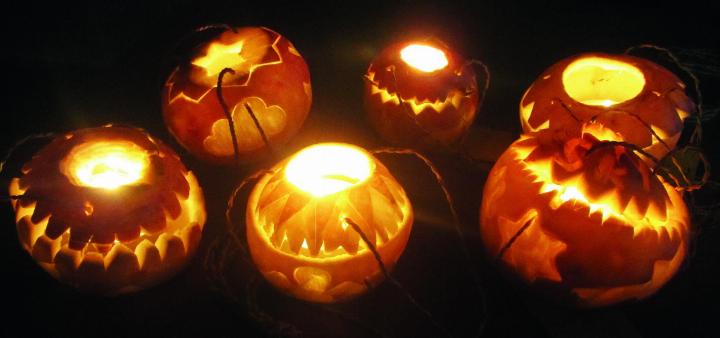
{"points": [[108, 210], [642, 101], [584, 222], [421, 94], [299, 215], [269, 78]]}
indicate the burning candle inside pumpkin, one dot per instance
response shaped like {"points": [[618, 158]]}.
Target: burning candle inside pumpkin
{"points": [[108, 210], [297, 222], [421, 94], [270, 79], [591, 228], [642, 101]]}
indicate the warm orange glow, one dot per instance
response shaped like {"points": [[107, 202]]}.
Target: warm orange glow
{"points": [[297, 229], [453, 100], [601, 226], [597, 81], [107, 165], [242, 54], [424, 58], [117, 241], [328, 168]]}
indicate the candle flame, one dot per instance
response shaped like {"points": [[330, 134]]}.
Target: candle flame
{"points": [[325, 169], [106, 165], [424, 58]]}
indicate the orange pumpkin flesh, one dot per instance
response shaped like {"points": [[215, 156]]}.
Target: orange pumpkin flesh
{"points": [[296, 228], [108, 210], [420, 94], [627, 94], [601, 229], [270, 76]]}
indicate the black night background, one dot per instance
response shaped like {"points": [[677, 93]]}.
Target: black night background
{"points": [[71, 66]]}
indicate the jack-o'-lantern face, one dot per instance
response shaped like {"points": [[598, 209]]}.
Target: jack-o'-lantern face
{"points": [[591, 228], [269, 76], [297, 225], [420, 94], [108, 210], [642, 101]]}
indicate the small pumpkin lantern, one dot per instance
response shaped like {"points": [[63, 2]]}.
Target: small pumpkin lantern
{"points": [[297, 222], [586, 224], [269, 77], [421, 94], [108, 210], [635, 97]]}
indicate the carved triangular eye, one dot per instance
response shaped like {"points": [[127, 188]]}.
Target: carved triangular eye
{"points": [[299, 229]]}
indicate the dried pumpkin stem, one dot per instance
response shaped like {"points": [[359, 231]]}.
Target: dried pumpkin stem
{"points": [[483, 93], [626, 145], [456, 220], [228, 114], [676, 61], [395, 282], [218, 259], [512, 240], [567, 108], [259, 127]]}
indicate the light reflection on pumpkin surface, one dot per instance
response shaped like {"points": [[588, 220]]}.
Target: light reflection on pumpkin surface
{"points": [[296, 222], [600, 227]]}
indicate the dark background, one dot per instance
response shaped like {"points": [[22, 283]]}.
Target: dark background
{"points": [[69, 66]]}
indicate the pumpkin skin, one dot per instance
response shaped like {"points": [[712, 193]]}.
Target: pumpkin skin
{"points": [[270, 76], [601, 229], [624, 93], [108, 240], [443, 102], [301, 243]]}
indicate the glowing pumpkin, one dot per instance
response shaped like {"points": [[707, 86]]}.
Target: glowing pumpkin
{"points": [[108, 210], [632, 96], [590, 228], [297, 226], [421, 94], [269, 76]]}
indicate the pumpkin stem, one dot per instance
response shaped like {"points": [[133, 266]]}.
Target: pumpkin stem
{"points": [[645, 124], [228, 115], [567, 108], [456, 221], [259, 127], [391, 279], [219, 257], [676, 61], [605, 144], [512, 239], [483, 93]]}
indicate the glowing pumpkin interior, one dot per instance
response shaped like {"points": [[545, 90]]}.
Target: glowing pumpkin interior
{"points": [[598, 81], [106, 165], [86, 225], [424, 58], [297, 229], [594, 229], [269, 77]]}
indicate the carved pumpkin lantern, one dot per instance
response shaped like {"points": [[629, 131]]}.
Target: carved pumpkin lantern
{"points": [[635, 97], [421, 94], [583, 221], [269, 78], [299, 222], [108, 210]]}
